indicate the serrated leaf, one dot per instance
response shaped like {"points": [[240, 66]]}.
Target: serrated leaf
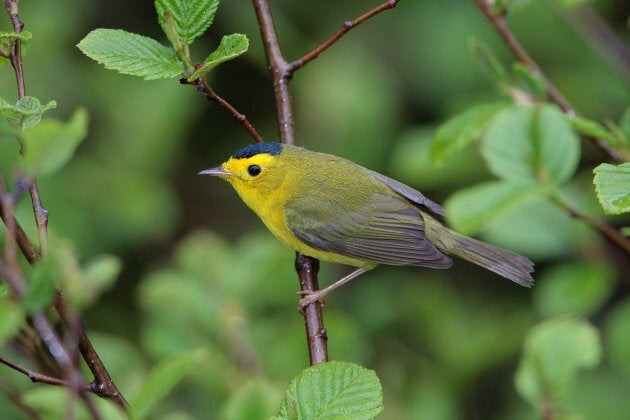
{"points": [[193, 17], [592, 128], [531, 144], [612, 183], [231, 46], [555, 351], [461, 130], [162, 379], [577, 289], [333, 390], [49, 145], [130, 53], [469, 210], [26, 112]]}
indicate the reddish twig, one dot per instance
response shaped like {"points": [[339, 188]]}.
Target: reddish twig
{"points": [[497, 19], [609, 232], [347, 26], [102, 385], [15, 55], [204, 87]]}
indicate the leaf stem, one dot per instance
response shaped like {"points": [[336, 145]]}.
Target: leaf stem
{"points": [[203, 86], [498, 21]]}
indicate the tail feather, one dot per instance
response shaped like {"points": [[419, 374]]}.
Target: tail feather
{"points": [[505, 263]]}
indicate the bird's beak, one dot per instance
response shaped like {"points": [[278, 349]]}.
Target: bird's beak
{"points": [[218, 171]]}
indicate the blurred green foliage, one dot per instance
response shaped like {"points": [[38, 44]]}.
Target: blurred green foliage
{"points": [[202, 320]]}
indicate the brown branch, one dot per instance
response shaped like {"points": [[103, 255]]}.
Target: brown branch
{"points": [[280, 71], [316, 336], [102, 385], [306, 267], [347, 26], [12, 7], [497, 19]]}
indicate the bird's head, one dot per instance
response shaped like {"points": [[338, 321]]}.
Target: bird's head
{"points": [[255, 170]]}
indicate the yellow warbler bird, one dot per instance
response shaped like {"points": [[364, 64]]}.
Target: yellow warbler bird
{"points": [[332, 209]]}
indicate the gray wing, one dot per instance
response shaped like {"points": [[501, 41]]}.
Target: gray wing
{"points": [[387, 230], [409, 193]]}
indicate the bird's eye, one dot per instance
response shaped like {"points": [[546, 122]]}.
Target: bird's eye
{"points": [[253, 170]]}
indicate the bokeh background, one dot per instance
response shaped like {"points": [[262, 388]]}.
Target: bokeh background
{"points": [[200, 272]]}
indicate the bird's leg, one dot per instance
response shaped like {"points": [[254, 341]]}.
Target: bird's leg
{"points": [[312, 296]]}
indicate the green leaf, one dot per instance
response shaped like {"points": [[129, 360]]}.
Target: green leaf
{"points": [[162, 379], [83, 285], [469, 210], [461, 130], [612, 183], [48, 146], [193, 17], [488, 63], [577, 289], [333, 390], [11, 318], [231, 46], [592, 128], [26, 113], [531, 144], [130, 53], [555, 351]]}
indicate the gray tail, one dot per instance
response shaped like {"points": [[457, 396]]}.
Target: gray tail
{"points": [[508, 264]]}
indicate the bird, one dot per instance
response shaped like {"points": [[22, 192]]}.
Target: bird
{"points": [[332, 209]]}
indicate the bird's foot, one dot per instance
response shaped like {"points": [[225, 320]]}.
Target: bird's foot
{"points": [[311, 296]]}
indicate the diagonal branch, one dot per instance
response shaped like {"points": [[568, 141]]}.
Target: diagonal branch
{"points": [[497, 19], [347, 26]]}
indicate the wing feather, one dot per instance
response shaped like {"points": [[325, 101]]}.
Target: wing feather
{"points": [[387, 229]]}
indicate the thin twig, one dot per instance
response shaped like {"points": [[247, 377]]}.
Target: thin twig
{"points": [[347, 26], [38, 377], [204, 87], [12, 7], [102, 385], [497, 19], [609, 232]]}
